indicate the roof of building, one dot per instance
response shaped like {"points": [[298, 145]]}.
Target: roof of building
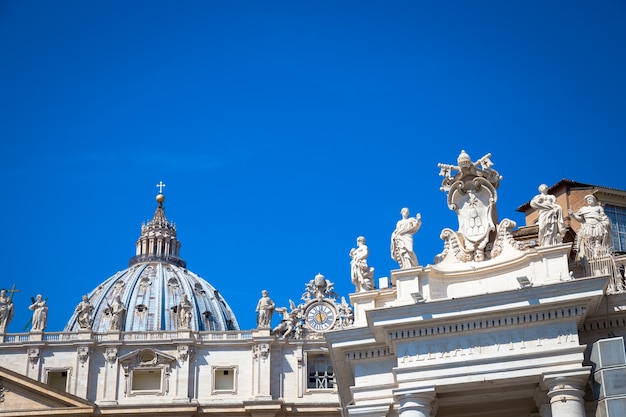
{"points": [[570, 184]]}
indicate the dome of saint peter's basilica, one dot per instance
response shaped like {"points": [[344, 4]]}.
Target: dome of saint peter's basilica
{"points": [[157, 292]]}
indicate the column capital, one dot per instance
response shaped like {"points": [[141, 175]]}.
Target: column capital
{"points": [[422, 392], [566, 390], [560, 380], [415, 402]]}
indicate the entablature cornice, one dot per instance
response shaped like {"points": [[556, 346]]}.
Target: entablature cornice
{"points": [[607, 323], [350, 338], [148, 338], [149, 409], [572, 299], [562, 311], [468, 324], [473, 271]]}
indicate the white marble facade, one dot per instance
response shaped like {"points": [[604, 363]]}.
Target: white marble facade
{"points": [[178, 372]]}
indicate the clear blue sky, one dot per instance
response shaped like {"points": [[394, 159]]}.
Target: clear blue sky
{"points": [[284, 130]]}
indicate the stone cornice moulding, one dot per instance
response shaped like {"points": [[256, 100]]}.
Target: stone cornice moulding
{"points": [[489, 324], [496, 267], [559, 308], [603, 324], [582, 295], [148, 409], [445, 280], [564, 293]]}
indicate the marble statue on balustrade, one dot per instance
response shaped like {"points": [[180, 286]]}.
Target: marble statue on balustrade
{"points": [[471, 189], [290, 318], [39, 307], [362, 274], [549, 218], [6, 310], [117, 311], [265, 310], [595, 237], [346, 314], [402, 239], [84, 312], [184, 312]]}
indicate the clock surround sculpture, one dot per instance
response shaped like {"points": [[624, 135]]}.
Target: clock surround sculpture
{"points": [[318, 313]]}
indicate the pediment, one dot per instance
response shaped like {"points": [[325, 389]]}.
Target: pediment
{"points": [[146, 357], [21, 396]]}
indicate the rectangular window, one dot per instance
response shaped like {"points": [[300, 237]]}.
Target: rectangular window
{"points": [[320, 372], [146, 380], [58, 379], [224, 379], [618, 226]]}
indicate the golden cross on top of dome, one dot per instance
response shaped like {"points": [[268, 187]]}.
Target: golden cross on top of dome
{"points": [[160, 185]]}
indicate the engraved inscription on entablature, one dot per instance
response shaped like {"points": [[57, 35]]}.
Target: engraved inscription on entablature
{"points": [[506, 343]]}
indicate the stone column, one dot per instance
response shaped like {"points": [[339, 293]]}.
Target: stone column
{"points": [[566, 391], [262, 371], [183, 374], [415, 402], [111, 376], [33, 365], [301, 371], [80, 381]]}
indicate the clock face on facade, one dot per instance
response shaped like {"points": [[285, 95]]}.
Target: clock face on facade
{"points": [[320, 316]]}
